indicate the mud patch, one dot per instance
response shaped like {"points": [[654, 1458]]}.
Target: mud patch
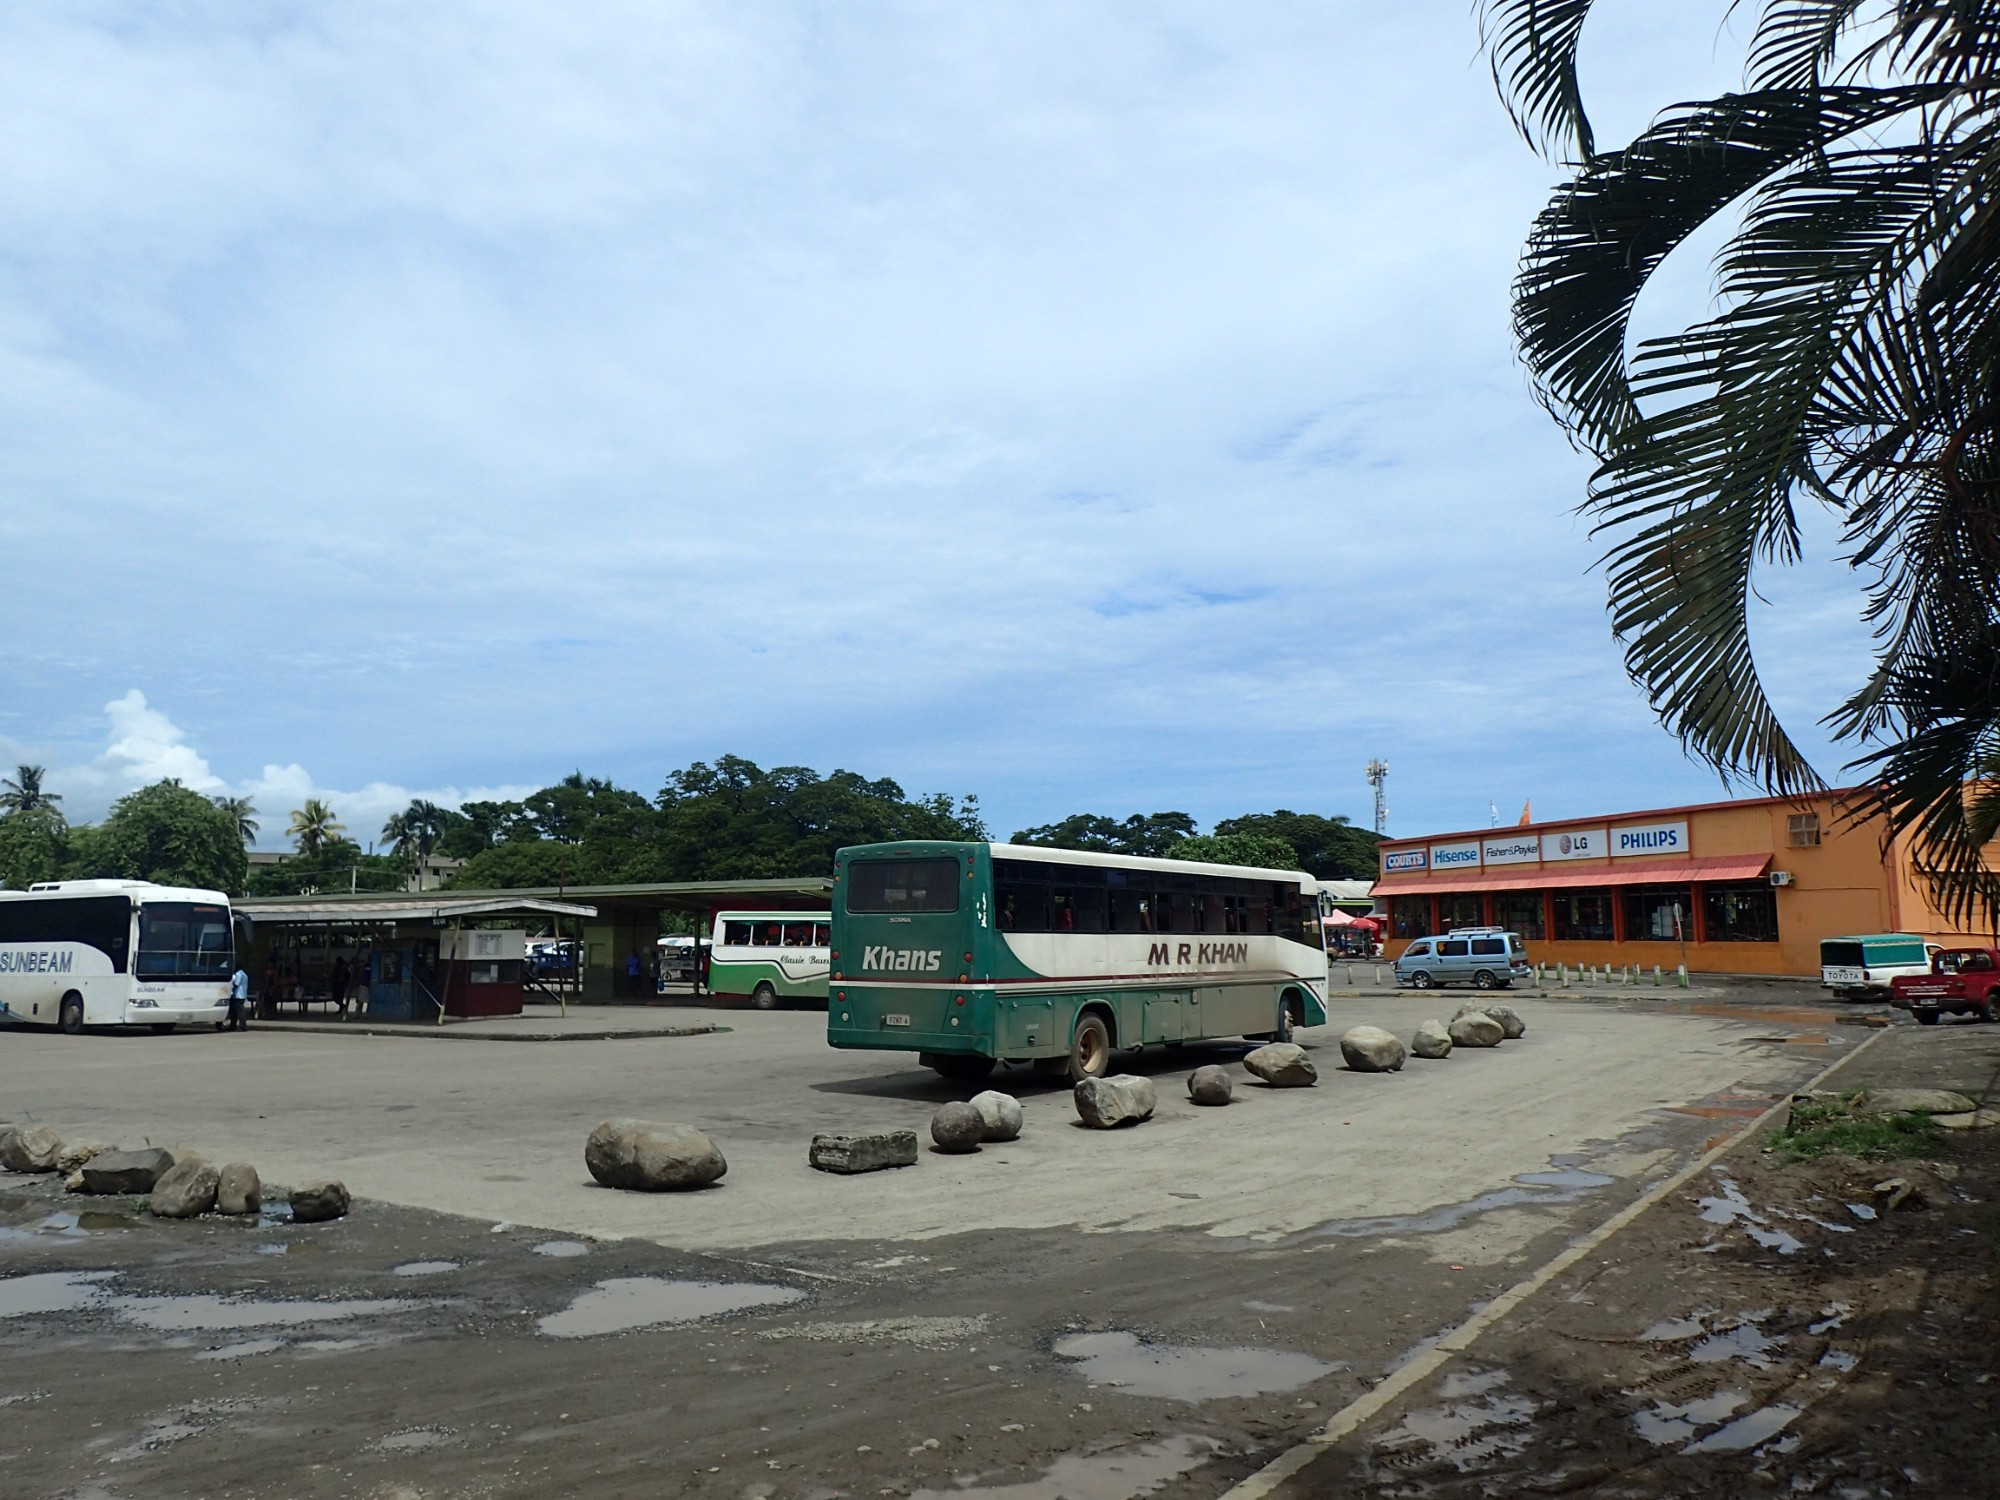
{"points": [[1128, 1363], [922, 1333], [1116, 1474], [626, 1304]]}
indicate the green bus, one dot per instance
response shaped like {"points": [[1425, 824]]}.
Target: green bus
{"points": [[973, 954], [769, 956]]}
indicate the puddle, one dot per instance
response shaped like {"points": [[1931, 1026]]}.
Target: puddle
{"points": [[1668, 1423], [627, 1303], [1120, 1474], [1129, 1363], [562, 1249], [1478, 1423], [1831, 1317], [51, 1292], [424, 1268], [67, 1224], [1746, 1341], [1673, 1330], [207, 1314], [1862, 1211], [1560, 1184], [245, 1350], [416, 1440], [1733, 1208], [1747, 1432], [1842, 1360]]}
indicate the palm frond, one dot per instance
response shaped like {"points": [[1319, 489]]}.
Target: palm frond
{"points": [[1531, 46]]}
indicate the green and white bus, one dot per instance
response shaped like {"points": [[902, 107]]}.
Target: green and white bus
{"points": [[972, 954], [769, 956]]}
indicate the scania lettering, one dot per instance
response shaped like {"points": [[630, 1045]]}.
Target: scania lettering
{"points": [[769, 956], [973, 954], [80, 953]]}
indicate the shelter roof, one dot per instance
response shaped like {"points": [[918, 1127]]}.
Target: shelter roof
{"points": [[324, 911], [693, 895]]}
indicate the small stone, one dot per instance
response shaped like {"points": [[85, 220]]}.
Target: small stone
{"points": [[1431, 1040], [1103, 1103], [957, 1128], [1475, 1029], [186, 1190], [1210, 1084], [74, 1182], [1283, 1065], [126, 1171], [1914, 1102], [641, 1156], [1000, 1113], [238, 1190], [1013, 1427], [1978, 1119], [849, 1154], [30, 1148], [317, 1202], [1901, 1193], [73, 1157], [1370, 1049]]}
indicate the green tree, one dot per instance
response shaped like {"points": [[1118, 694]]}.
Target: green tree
{"points": [[1330, 848], [166, 833], [1853, 359], [244, 811], [478, 826], [1256, 849], [22, 792], [1148, 834], [313, 826], [31, 849]]}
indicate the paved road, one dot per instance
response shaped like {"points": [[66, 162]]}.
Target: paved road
{"points": [[497, 1131]]}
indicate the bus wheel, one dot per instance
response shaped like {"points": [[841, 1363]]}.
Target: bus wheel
{"points": [[1090, 1049], [70, 1017], [1484, 979], [764, 997]]}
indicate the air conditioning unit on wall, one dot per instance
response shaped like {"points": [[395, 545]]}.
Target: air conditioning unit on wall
{"points": [[1781, 877]]}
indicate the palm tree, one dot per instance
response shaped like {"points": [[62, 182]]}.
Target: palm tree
{"points": [[1854, 360], [244, 811], [22, 792], [414, 832], [314, 826]]}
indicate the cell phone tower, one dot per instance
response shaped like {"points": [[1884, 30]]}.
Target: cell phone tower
{"points": [[1378, 773]]}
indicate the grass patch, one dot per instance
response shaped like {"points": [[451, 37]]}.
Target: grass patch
{"points": [[1829, 1127]]}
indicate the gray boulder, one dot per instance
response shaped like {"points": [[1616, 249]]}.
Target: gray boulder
{"points": [[1283, 1065], [1210, 1085], [74, 1182], [317, 1202], [126, 1171], [238, 1189], [1475, 1029], [1913, 1102], [74, 1156], [1511, 1024], [30, 1148], [1431, 1040], [648, 1158], [1103, 1103], [957, 1128], [848, 1154], [1000, 1113], [186, 1190], [1370, 1049]]}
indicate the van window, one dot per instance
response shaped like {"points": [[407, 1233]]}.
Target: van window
{"points": [[1452, 948], [1418, 950], [1515, 945], [736, 934], [1484, 946]]}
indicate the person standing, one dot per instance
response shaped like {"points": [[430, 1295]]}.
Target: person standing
{"points": [[239, 999], [337, 982]]}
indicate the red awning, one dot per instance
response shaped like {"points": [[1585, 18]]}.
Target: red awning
{"points": [[1547, 878]]}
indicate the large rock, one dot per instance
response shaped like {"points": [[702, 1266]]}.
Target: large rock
{"points": [[1102, 1103], [238, 1190], [1509, 1018], [649, 1158], [1475, 1029], [74, 1156], [317, 1202], [957, 1128], [848, 1154], [186, 1190], [1370, 1049], [1431, 1040], [1914, 1102], [1283, 1065], [1210, 1085], [1001, 1114], [126, 1171], [30, 1148]]}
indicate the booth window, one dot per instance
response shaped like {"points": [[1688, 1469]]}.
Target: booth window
{"points": [[1583, 916], [1649, 914], [1803, 829], [1461, 910], [1739, 913], [1410, 916], [1520, 912]]}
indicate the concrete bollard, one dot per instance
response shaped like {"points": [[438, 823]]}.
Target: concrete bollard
{"points": [[1656, 976], [1378, 976], [1562, 975], [1681, 976]]}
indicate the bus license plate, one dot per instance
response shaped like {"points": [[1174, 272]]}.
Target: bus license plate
{"points": [[895, 1020]]}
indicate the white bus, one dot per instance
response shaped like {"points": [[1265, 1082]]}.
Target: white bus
{"points": [[77, 953], [770, 956]]}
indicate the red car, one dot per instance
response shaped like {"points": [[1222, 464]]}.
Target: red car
{"points": [[1962, 982]]}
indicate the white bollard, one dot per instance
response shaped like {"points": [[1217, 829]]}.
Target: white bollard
{"points": [[1562, 971], [1682, 976], [1656, 974]]}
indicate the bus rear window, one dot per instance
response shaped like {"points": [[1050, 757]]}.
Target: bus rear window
{"points": [[902, 885]]}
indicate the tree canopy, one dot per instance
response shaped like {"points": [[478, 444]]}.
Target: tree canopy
{"points": [[1148, 834], [1328, 847], [165, 833]]}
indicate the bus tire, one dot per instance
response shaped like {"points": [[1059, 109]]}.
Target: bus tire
{"points": [[959, 1065], [1089, 1048], [161, 1028], [764, 997], [69, 1019]]}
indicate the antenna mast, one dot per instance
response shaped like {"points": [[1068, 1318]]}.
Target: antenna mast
{"points": [[1378, 773]]}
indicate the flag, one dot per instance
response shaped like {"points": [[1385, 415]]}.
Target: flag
{"points": [[1527, 812]]}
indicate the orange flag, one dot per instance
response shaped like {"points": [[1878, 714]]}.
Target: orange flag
{"points": [[1527, 813]]}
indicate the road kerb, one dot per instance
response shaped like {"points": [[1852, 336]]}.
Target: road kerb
{"points": [[1266, 1481]]}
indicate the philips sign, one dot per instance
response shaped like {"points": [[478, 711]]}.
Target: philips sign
{"points": [[1650, 838]]}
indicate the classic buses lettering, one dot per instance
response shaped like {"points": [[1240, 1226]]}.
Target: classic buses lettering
{"points": [[41, 961], [1198, 953], [903, 960]]}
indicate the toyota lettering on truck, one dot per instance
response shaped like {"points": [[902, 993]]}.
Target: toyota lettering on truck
{"points": [[973, 954], [80, 953]]}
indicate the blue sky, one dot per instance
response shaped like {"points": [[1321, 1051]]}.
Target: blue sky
{"points": [[1091, 406]]}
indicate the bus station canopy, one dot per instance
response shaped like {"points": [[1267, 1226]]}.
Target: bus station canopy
{"points": [[604, 901], [344, 911]]}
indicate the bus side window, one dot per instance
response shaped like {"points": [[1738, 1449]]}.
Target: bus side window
{"points": [[1128, 911], [798, 934], [822, 935], [736, 934], [1077, 908], [767, 935]]}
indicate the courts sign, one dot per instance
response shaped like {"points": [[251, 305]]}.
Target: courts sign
{"points": [[1576, 843], [1651, 838], [1454, 856], [1515, 849], [1406, 859]]}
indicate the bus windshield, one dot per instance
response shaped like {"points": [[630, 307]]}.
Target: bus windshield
{"points": [[183, 940]]}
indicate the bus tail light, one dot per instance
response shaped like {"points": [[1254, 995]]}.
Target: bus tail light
{"points": [[961, 999]]}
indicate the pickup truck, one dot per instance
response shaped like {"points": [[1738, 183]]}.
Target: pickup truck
{"points": [[1962, 981]]}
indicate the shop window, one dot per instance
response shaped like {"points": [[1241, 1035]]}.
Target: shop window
{"points": [[1802, 830], [1739, 913], [1461, 910], [1582, 916], [1520, 912], [1410, 916], [1650, 913]]}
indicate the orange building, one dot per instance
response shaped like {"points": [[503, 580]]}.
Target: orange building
{"points": [[1751, 886]]}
